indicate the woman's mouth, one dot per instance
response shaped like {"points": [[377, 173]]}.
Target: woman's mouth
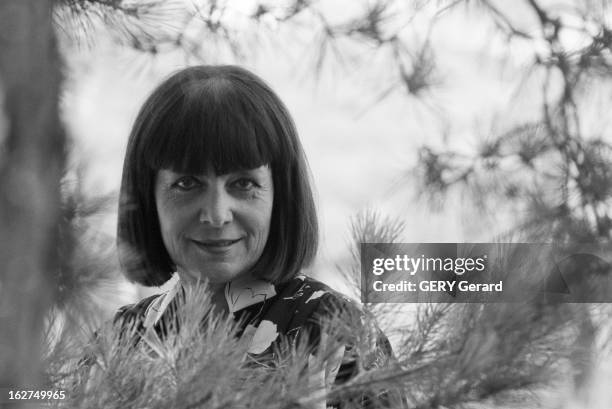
{"points": [[216, 245]]}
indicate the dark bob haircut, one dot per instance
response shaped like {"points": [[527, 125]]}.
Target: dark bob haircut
{"points": [[227, 118]]}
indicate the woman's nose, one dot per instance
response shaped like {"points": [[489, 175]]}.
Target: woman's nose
{"points": [[216, 208]]}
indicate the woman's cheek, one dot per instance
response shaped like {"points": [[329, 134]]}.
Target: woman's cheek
{"points": [[174, 221]]}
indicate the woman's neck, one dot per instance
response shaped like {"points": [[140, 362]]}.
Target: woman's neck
{"points": [[216, 291]]}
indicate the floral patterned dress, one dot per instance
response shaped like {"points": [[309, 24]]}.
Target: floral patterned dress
{"points": [[267, 313]]}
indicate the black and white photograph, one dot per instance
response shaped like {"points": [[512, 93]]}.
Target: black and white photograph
{"points": [[313, 204]]}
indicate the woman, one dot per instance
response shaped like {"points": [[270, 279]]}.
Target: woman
{"points": [[215, 188]]}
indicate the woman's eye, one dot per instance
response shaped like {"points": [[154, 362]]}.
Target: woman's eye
{"points": [[244, 184], [187, 183]]}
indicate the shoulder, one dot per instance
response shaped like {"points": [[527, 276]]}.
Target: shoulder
{"points": [[313, 295], [133, 315], [304, 303], [308, 289], [344, 319]]}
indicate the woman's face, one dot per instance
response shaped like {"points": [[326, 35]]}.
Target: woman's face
{"points": [[214, 226]]}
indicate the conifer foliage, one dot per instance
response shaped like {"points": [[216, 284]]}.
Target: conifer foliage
{"points": [[553, 168]]}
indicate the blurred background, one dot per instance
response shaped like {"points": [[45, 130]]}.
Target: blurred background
{"points": [[365, 105], [423, 121]]}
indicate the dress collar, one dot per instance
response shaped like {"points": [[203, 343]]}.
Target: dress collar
{"points": [[247, 291], [239, 294]]}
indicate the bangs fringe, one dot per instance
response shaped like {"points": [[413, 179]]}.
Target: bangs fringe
{"points": [[212, 127]]}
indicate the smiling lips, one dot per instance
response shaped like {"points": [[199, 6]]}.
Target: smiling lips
{"points": [[220, 244]]}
